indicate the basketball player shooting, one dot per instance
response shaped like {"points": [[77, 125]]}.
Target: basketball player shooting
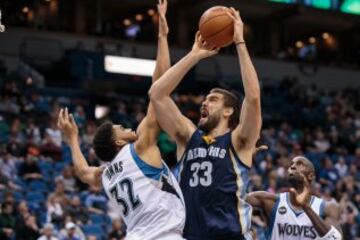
{"points": [[134, 177], [298, 214], [216, 155]]}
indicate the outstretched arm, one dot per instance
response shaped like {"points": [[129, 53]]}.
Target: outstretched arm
{"points": [[262, 200], [247, 132], [86, 173], [148, 129], [169, 116]]}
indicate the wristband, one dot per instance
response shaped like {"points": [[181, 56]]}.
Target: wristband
{"points": [[333, 234]]}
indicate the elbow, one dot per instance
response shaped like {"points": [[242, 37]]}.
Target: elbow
{"points": [[154, 93], [253, 98]]}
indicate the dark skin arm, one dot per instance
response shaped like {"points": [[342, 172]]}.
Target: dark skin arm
{"points": [[331, 210], [332, 217], [262, 200]]}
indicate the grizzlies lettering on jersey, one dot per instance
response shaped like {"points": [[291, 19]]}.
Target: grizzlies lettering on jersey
{"points": [[286, 223], [149, 198], [213, 181]]}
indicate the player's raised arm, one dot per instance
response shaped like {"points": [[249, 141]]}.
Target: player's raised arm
{"points": [[247, 132], [86, 173], [327, 228], [149, 129], [169, 116]]}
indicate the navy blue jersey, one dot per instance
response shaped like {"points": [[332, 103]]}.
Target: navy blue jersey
{"points": [[213, 181]]}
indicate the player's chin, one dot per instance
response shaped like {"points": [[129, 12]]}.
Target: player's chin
{"points": [[202, 121], [295, 179]]}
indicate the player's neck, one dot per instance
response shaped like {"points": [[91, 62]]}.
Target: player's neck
{"points": [[220, 130]]}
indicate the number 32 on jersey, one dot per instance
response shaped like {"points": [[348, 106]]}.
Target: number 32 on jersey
{"points": [[125, 188]]}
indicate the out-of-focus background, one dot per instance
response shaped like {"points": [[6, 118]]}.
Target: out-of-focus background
{"points": [[80, 54]]}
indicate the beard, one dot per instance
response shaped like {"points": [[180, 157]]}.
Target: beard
{"points": [[211, 122], [296, 181]]}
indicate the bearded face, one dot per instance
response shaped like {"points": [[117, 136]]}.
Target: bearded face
{"points": [[209, 121]]}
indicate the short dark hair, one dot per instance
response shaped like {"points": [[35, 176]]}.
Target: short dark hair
{"points": [[5, 205], [233, 101], [104, 143]]}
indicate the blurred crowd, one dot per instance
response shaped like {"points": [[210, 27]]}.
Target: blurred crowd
{"points": [[41, 197]]}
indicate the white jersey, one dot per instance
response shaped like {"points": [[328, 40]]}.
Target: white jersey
{"points": [[150, 198], [288, 224]]}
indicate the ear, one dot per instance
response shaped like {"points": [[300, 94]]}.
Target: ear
{"points": [[120, 143], [228, 111], [310, 177]]}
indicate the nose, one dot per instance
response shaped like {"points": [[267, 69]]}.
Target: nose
{"points": [[292, 167], [204, 104]]}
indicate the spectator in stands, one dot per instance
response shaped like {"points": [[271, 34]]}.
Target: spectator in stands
{"points": [[117, 231], [77, 211], [80, 117], [7, 221], [328, 174], [70, 232], [60, 194], [29, 230], [96, 201], [88, 136], [9, 198], [55, 213], [48, 232], [8, 166], [33, 133], [6, 184], [92, 237], [349, 229], [341, 167], [68, 179], [22, 212], [51, 145], [29, 169]]}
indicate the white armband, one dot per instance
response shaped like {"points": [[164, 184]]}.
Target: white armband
{"points": [[333, 234]]}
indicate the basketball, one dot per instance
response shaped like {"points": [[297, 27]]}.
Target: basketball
{"points": [[216, 27]]}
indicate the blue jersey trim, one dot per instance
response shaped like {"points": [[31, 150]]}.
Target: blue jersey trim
{"points": [[148, 170], [322, 209], [268, 233], [297, 213], [235, 154]]}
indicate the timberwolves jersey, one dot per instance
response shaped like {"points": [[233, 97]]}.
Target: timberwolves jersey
{"points": [[213, 181], [149, 198], [286, 223]]}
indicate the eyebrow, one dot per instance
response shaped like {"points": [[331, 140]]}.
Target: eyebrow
{"points": [[213, 97]]}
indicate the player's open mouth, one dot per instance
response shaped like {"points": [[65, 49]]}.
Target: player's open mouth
{"points": [[204, 113]]}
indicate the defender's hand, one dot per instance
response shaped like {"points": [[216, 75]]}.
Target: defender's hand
{"points": [[66, 123], [238, 25], [163, 26], [201, 49], [302, 198]]}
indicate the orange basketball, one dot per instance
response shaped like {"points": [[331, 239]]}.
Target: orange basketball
{"points": [[216, 27]]}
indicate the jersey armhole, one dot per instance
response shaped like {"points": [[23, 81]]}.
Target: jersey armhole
{"points": [[271, 222], [197, 132], [232, 149], [322, 209]]}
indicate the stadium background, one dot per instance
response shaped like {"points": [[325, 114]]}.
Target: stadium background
{"points": [[58, 53]]}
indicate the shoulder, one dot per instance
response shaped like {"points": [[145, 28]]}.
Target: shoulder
{"points": [[331, 209]]}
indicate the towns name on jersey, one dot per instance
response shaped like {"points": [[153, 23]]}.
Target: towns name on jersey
{"points": [[203, 153], [113, 169], [297, 230]]}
